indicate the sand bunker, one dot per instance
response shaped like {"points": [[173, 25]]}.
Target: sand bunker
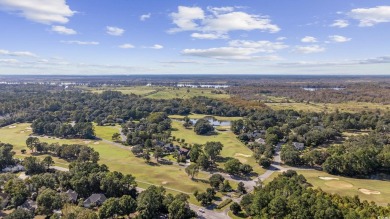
{"points": [[369, 192], [242, 155], [339, 184], [164, 182], [29, 128], [22, 132], [328, 178], [96, 143], [87, 142], [12, 127]]}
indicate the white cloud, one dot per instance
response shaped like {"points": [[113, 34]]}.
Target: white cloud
{"points": [[63, 30], [185, 18], [144, 17], [240, 50], [115, 31], [41, 11], [239, 21], [309, 49], [339, 39], [209, 36], [156, 46], [281, 38], [340, 23], [9, 61], [18, 53], [220, 20], [126, 46], [80, 42], [371, 16], [261, 46], [309, 39], [229, 53], [219, 10]]}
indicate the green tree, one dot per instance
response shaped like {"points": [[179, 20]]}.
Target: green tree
{"points": [[116, 137], [216, 180], [232, 166], [20, 213], [48, 161], [192, 170], [195, 152], [110, 208], [32, 143], [203, 127], [49, 200], [33, 165], [158, 152], [235, 208], [241, 188], [150, 202], [265, 162], [203, 162], [212, 149], [17, 190]]}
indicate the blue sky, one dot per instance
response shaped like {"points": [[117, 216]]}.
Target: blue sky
{"points": [[194, 37]]}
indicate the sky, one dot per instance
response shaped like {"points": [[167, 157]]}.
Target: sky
{"points": [[111, 37]]}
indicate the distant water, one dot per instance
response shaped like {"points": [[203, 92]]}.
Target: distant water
{"points": [[203, 85], [212, 120], [322, 88]]}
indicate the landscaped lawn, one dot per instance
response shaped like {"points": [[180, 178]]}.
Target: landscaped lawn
{"points": [[350, 186], [232, 146], [116, 158]]}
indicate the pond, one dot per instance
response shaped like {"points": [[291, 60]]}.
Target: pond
{"points": [[212, 120]]}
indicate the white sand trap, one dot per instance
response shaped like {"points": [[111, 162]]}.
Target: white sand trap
{"points": [[87, 142], [242, 155], [369, 192], [12, 127], [96, 143], [29, 128], [164, 182], [328, 178], [22, 132]]}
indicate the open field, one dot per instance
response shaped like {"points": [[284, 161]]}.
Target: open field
{"points": [[161, 92], [232, 146], [117, 159], [350, 186], [106, 132], [329, 107]]}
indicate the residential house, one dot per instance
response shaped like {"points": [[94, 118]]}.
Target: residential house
{"points": [[169, 147], [72, 196], [298, 146], [183, 151], [95, 200], [29, 205], [14, 169], [260, 141]]}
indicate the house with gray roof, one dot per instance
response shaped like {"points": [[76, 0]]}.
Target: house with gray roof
{"points": [[95, 200]]}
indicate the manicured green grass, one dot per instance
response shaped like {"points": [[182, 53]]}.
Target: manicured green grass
{"points": [[170, 93], [233, 148], [137, 90], [106, 132], [117, 159], [155, 92], [343, 186]]}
